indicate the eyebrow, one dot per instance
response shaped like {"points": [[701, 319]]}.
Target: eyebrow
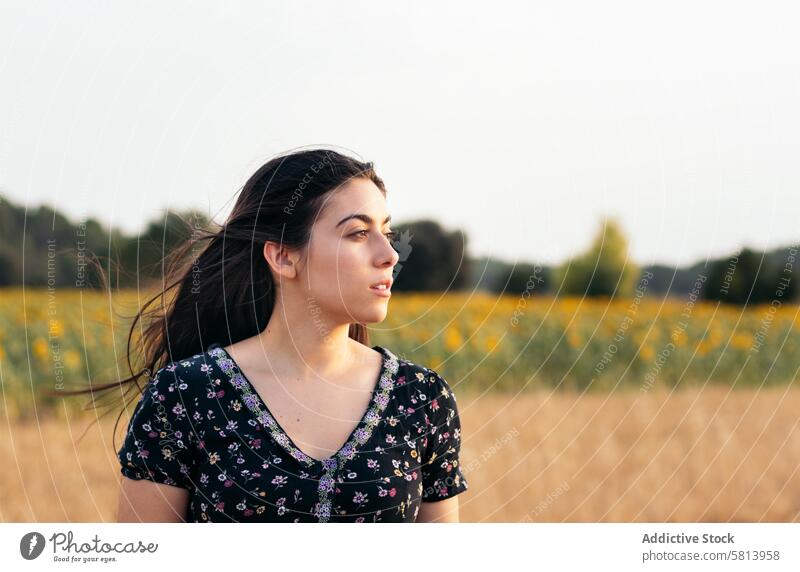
{"points": [[361, 217]]}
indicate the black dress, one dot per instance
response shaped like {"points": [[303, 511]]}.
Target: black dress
{"points": [[201, 425]]}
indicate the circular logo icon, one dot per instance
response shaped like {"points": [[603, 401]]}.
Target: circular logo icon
{"points": [[31, 545]]}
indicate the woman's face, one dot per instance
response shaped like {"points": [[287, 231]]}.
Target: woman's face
{"points": [[350, 250]]}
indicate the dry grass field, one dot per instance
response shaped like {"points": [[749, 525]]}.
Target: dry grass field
{"points": [[710, 455]]}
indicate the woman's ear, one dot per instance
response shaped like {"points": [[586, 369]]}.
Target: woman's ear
{"points": [[282, 260]]}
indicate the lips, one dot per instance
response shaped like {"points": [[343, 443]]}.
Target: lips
{"points": [[384, 284]]}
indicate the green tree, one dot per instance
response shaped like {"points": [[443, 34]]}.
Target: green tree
{"points": [[524, 277], [141, 255], [604, 270], [431, 259], [751, 277]]}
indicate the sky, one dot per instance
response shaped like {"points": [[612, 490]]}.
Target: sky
{"points": [[521, 124]]}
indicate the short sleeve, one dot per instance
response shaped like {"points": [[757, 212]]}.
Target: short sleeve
{"points": [[160, 443], [442, 476]]}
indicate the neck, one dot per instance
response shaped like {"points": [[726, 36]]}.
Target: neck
{"points": [[299, 339]]}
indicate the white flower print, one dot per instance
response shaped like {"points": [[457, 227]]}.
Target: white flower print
{"points": [[360, 498]]}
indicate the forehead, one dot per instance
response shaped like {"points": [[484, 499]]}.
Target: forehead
{"points": [[358, 196]]}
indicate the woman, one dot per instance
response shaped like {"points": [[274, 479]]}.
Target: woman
{"points": [[273, 406]]}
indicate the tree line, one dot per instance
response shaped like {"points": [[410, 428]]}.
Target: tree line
{"points": [[42, 247]]}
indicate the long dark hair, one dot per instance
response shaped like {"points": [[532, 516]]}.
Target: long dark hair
{"points": [[223, 291]]}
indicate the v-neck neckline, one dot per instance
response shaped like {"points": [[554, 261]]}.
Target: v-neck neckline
{"points": [[358, 436]]}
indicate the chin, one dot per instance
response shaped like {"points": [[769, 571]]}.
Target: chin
{"points": [[373, 315]]}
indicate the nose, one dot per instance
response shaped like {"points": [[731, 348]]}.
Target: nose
{"points": [[389, 256]]}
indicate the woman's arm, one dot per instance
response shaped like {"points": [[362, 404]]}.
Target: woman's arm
{"points": [[146, 501], [442, 477], [159, 453], [440, 511]]}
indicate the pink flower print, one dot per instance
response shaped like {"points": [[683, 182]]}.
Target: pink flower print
{"points": [[360, 519], [205, 368], [228, 483], [360, 498], [323, 511], [392, 492], [219, 506], [434, 405], [220, 393], [248, 512], [279, 481]]}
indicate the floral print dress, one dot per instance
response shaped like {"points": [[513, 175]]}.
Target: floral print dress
{"points": [[201, 425]]}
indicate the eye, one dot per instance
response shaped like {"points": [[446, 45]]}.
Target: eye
{"points": [[391, 235]]}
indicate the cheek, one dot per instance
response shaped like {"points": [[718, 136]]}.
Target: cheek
{"points": [[335, 269]]}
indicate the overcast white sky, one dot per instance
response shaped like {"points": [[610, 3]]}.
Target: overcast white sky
{"points": [[521, 125]]}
